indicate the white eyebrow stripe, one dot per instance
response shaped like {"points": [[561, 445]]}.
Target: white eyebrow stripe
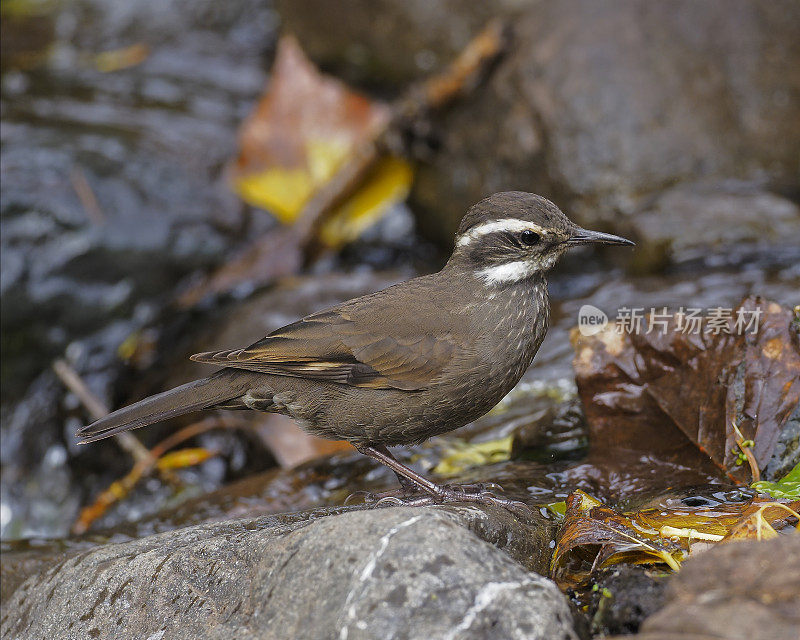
{"points": [[507, 272], [505, 224]]}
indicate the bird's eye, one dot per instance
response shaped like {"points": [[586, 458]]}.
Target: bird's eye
{"points": [[529, 238]]}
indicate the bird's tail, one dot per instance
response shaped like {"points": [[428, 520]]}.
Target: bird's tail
{"points": [[200, 394]]}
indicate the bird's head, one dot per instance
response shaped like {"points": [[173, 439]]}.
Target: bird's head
{"points": [[512, 236]]}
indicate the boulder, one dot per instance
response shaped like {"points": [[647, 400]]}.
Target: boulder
{"points": [[597, 105], [380, 573], [736, 591]]}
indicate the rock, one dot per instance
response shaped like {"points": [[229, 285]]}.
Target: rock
{"points": [[735, 591], [625, 596], [112, 181], [382, 573], [786, 455], [599, 106], [351, 37], [719, 222]]}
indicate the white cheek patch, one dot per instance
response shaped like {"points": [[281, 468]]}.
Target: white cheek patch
{"points": [[507, 272], [510, 225], [549, 261]]}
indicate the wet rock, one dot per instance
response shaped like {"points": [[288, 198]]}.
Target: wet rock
{"points": [[112, 193], [34, 465], [351, 37], [735, 591], [786, 455], [388, 573], [112, 181], [707, 223], [599, 106], [624, 597]]}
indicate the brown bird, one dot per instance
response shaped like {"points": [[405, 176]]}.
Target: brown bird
{"points": [[398, 366]]}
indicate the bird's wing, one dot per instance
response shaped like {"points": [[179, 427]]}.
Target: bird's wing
{"points": [[361, 347]]}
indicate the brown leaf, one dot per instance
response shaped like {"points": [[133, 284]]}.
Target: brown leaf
{"points": [[678, 395], [303, 128], [594, 536], [763, 519]]}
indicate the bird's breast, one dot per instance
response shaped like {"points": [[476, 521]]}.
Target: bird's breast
{"points": [[507, 329]]}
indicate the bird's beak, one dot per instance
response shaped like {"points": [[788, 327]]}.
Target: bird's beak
{"points": [[584, 236]]}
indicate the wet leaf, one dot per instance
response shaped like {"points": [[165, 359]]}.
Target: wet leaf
{"points": [[463, 455], [595, 536], [184, 458], [678, 395], [788, 487], [118, 59], [306, 126], [761, 521]]}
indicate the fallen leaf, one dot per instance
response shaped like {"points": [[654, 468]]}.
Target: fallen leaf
{"points": [[594, 535], [463, 455], [761, 521], [184, 458], [788, 487], [305, 127], [118, 59], [683, 395]]}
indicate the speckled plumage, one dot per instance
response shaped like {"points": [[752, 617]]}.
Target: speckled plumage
{"points": [[487, 362], [415, 360]]}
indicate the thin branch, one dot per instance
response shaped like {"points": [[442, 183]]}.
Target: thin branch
{"points": [[97, 409]]}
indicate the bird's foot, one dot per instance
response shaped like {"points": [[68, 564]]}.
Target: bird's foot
{"points": [[409, 492], [481, 494], [372, 498]]}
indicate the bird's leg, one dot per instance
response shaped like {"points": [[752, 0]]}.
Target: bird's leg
{"points": [[437, 494], [409, 479]]}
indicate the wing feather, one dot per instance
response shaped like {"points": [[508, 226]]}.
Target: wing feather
{"points": [[345, 348]]}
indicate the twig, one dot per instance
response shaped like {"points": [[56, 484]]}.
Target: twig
{"points": [[121, 488], [745, 446], [97, 409], [85, 194]]}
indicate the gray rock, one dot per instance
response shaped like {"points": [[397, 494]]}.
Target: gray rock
{"points": [[693, 222], [735, 591], [384, 573]]}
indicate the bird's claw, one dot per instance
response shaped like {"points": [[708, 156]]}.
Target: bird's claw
{"points": [[476, 487], [479, 493], [357, 494]]}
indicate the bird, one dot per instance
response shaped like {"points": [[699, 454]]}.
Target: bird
{"points": [[396, 367]]}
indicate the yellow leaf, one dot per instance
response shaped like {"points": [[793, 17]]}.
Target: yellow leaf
{"points": [[184, 458], [118, 59], [281, 191], [463, 455], [388, 184]]}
